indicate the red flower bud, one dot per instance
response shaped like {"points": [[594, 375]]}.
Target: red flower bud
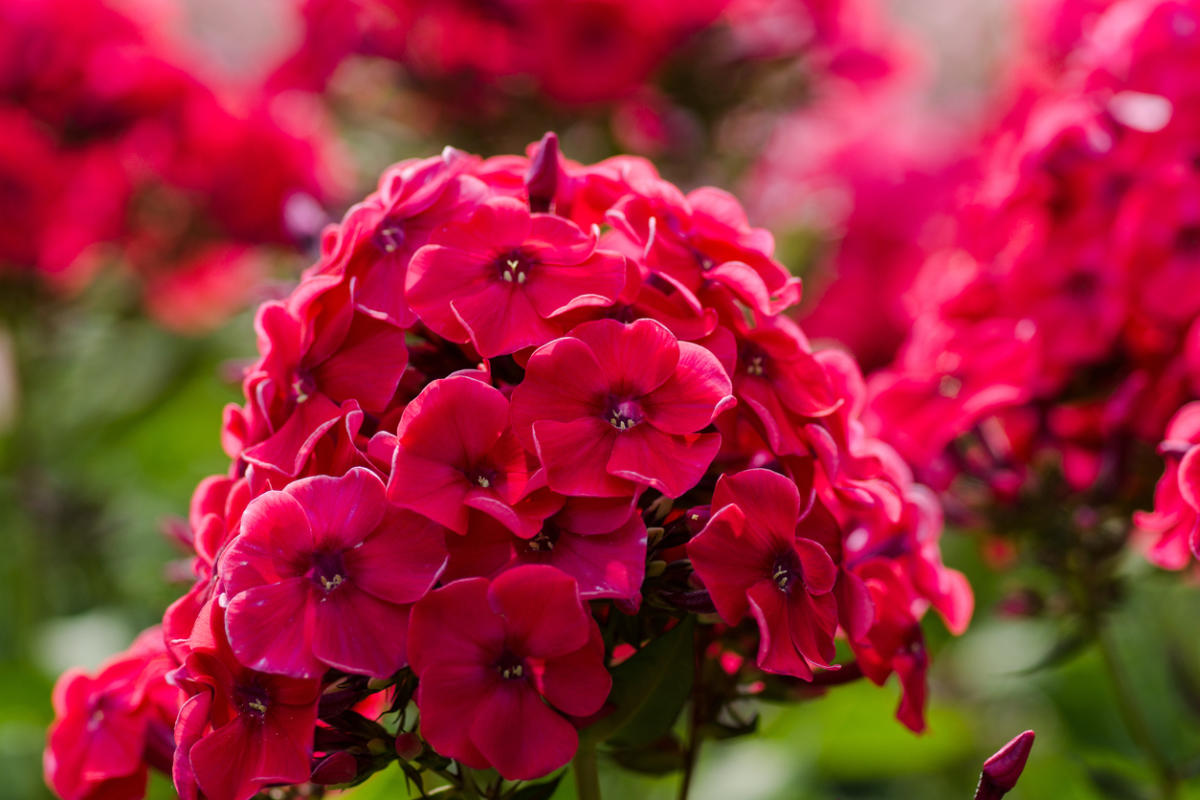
{"points": [[1001, 771]]}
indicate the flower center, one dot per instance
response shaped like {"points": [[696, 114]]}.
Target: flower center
{"points": [[624, 414], [329, 571], [303, 385], [514, 267], [510, 667], [754, 361], [786, 572], [252, 701], [545, 540], [389, 237], [482, 476]]}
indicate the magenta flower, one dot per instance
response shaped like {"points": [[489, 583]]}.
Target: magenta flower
{"points": [[110, 726], [1172, 530], [240, 730], [612, 407], [501, 278], [758, 555], [455, 456], [322, 575], [500, 662]]}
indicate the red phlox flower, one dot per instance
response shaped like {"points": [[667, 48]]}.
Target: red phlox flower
{"points": [[1171, 532], [500, 278], [322, 575], [456, 456], [239, 730], [109, 727], [756, 556], [500, 662], [612, 407]]}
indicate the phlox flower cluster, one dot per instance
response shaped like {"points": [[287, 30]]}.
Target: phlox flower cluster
{"points": [[523, 417], [459, 59], [1056, 331], [116, 153]]}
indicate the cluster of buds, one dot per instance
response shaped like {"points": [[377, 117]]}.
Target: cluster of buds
{"points": [[524, 421]]}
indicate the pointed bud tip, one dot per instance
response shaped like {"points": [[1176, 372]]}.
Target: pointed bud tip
{"points": [[1001, 771], [542, 177]]}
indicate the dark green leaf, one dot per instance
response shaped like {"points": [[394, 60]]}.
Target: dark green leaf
{"points": [[659, 758], [539, 791], [649, 690]]}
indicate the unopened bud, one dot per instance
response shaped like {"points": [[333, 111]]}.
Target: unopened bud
{"points": [[541, 180], [408, 746], [1001, 771], [335, 768]]}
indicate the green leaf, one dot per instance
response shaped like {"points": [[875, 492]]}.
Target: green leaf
{"points": [[659, 758], [649, 690]]}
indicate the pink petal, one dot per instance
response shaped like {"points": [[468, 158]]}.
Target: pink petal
{"points": [[728, 563], [577, 683], [770, 499], [776, 653], [367, 366], [225, 762], [288, 743], [562, 382], [359, 633], [819, 572], [671, 464], [575, 456], [635, 359], [502, 320], [454, 625], [519, 735], [341, 511], [288, 448], [555, 289], [696, 392], [431, 488], [268, 628], [439, 275], [542, 610], [449, 697], [275, 542], [454, 420], [812, 622], [401, 560]]}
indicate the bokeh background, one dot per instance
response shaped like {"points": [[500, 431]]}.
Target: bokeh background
{"points": [[108, 418]]}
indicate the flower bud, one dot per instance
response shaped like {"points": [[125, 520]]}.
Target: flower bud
{"points": [[339, 767], [1001, 771]]}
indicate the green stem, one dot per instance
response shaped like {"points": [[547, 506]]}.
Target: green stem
{"points": [[699, 643], [587, 775], [1131, 713], [469, 790]]}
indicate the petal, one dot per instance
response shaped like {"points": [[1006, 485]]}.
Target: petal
{"points": [[771, 499], [728, 562], [454, 420], [671, 464], [439, 275], [288, 448], [819, 571], [288, 744], [454, 625], [269, 629], [575, 456], [577, 683], [519, 735], [341, 511], [366, 367], [556, 289], [563, 382], [812, 622], [359, 633], [776, 653], [697, 390], [604, 565], [401, 560], [449, 697], [542, 610], [502, 320], [431, 488], [636, 358], [225, 762]]}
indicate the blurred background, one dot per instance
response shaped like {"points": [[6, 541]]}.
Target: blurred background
{"points": [[166, 165]]}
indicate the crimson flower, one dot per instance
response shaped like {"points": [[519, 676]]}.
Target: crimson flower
{"points": [[240, 730], [757, 556], [455, 455], [502, 277], [498, 661], [612, 407], [322, 575]]}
